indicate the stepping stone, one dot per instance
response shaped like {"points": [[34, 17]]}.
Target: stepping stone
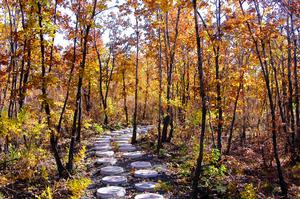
{"points": [[105, 136], [106, 161], [145, 173], [124, 144], [136, 154], [149, 196], [126, 131], [102, 148], [146, 186], [104, 153], [104, 141], [111, 170], [127, 148], [121, 139], [111, 192], [115, 133], [114, 180], [141, 165]]}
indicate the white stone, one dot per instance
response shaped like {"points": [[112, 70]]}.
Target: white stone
{"points": [[146, 186], [114, 180], [133, 155], [102, 148], [122, 141], [101, 142], [145, 173], [106, 161], [103, 139], [149, 196], [111, 192], [124, 145], [104, 153], [127, 148], [106, 136], [141, 165], [111, 170]]}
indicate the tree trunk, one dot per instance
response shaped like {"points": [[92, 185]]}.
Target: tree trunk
{"points": [[45, 104], [160, 88], [134, 124], [198, 168], [169, 82], [265, 70], [79, 87], [233, 118], [125, 96]]}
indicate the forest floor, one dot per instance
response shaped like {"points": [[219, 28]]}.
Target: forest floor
{"points": [[245, 173]]}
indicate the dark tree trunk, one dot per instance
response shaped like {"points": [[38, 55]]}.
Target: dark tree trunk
{"points": [[79, 87], [264, 66], [160, 87], [296, 84], [198, 168], [45, 104], [125, 96], [233, 118], [169, 120], [134, 123]]}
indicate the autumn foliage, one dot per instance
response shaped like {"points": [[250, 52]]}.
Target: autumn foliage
{"points": [[218, 79]]}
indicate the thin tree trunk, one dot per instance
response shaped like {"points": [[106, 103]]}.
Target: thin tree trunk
{"points": [[198, 168], [70, 76], [160, 87], [264, 67], [45, 104], [125, 96], [133, 140], [233, 118], [79, 87], [296, 85], [169, 118]]}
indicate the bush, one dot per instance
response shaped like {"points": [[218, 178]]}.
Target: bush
{"points": [[249, 192], [77, 186], [98, 128]]}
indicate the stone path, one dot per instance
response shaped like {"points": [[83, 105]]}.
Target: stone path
{"points": [[122, 170]]}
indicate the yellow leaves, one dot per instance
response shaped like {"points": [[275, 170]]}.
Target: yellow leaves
{"points": [[77, 186], [80, 155], [46, 194], [3, 180]]}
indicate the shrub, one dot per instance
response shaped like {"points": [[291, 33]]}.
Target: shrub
{"points": [[46, 194], [249, 192], [77, 186]]}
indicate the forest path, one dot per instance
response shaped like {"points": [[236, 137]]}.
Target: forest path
{"points": [[122, 170]]}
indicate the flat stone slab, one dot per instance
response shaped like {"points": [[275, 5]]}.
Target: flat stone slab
{"points": [[107, 139], [141, 165], [104, 153], [106, 161], [111, 192], [146, 186], [114, 180], [149, 196], [105, 136], [133, 155], [102, 142], [121, 139], [111, 170], [145, 173], [102, 148], [124, 144], [127, 148]]}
